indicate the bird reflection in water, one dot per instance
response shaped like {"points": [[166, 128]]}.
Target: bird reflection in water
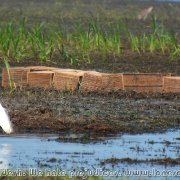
{"points": [[5, 150]]}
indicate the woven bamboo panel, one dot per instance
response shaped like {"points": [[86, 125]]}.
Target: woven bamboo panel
{"points": [[41, 68], [94, 81], [68, 79], [17, 76], [143, 79], [112, 82], [40, 79], [172, 84], [74, 71], [143, 82]]}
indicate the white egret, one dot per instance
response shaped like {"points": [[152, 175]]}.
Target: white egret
{"points": [[144, 13], [5, 122]]}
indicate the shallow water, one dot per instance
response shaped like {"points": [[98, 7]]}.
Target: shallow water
{"points": [[32, 151]]}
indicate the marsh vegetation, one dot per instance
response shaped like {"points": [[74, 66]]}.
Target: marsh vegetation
{"points": [[89, 34]]}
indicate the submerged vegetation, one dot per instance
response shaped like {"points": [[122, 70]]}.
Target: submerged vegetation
{"points": [[19, 42]]}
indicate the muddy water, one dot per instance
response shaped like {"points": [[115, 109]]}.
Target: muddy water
{"points": [[27, 151]]}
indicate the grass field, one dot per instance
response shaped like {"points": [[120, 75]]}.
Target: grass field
{"points": [[104, 35]]}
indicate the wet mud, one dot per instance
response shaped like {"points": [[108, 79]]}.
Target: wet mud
{"points": [[163, 161], [50, 111]]}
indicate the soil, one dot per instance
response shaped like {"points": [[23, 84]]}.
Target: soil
{"points": [[163, 161], [51, 111], [128, 62]]}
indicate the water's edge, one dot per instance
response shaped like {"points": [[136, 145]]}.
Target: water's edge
{"points": [[50, 151]]}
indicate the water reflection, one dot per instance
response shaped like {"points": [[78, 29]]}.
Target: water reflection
{"points": [[5, 150], [32, 151]]}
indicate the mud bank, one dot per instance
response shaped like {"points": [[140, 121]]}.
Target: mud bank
{"points": [[33, 111]]}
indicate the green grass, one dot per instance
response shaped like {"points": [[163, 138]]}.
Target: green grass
{"points": [[85, 32], [19, 42]]}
